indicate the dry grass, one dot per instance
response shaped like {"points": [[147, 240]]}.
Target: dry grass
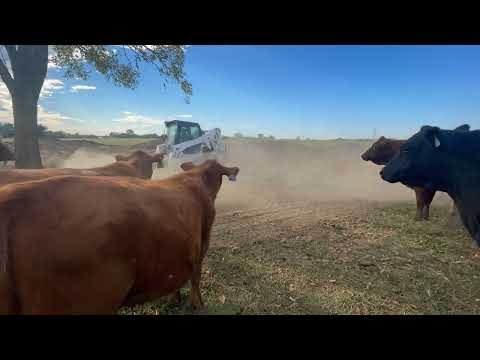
{"points": [[377, 262]]}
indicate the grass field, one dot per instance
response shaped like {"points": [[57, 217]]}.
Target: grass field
{"points": [[310, 228], [378, 262]]}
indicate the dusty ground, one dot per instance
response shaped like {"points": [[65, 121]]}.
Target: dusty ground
{"points": [[309, 228]]}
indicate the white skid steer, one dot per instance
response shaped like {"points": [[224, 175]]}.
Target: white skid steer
{"points": [[186, 141]]}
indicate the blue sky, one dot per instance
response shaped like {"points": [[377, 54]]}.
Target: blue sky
{"points": [[285, 91]]}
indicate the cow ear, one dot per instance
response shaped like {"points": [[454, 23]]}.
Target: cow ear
{"points": [[432, 134], [157, 158], [187, 166], [462, 128], [426, 128]]}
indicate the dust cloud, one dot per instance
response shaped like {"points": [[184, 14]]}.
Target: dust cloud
{"points": [[284, 171], [84, 158]]}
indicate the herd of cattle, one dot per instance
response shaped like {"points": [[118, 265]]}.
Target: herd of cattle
{"points": [[89, 241]]}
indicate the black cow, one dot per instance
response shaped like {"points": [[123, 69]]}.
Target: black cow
{"points": [[443, 160]]}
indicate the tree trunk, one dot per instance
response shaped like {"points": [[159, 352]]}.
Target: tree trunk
{"points": [[29, 66], [27, 151]]}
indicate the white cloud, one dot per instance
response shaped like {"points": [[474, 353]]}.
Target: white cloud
{"points": [[51, 65], [136, 122], [139, 120], [77, 88], [184, 116], [6, 114], [53, 120], [50, 86]]}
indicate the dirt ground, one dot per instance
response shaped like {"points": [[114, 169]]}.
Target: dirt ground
{"points": [[310, 228]]}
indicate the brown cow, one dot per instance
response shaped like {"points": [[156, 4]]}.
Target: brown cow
{"points": [[380, 153], [138, 164], [89, 245], [5, 154]]}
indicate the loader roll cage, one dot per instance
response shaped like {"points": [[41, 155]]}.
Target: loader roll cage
{"points": [[182, 131]]}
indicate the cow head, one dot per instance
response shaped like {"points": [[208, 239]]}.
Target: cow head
{"points": [[381, 152], [142, 162], [212, 172], [421, 160]]}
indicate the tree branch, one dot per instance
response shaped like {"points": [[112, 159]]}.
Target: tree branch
{"points": [[142, 57], [126, 56], [6, 77]]}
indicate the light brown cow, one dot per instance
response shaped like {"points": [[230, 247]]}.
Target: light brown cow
{"points": [[138, 164], [89, 245]]}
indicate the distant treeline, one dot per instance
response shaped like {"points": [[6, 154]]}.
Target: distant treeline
{"points": [[7, 130], [131, 134]]}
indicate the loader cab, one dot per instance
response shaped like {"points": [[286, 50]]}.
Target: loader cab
{"points": [[179, 132]]}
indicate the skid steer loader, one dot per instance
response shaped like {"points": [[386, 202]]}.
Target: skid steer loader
{"points": [[186, 141]]}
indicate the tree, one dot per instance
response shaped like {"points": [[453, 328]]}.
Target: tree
{"points": [[130, 132], [23, 69], [260, 136], [238, 135]]}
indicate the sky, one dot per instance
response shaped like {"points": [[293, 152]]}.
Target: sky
{"points": [[316, 92]]}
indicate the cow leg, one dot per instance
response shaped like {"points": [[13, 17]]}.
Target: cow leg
{"points": [[175, 298], [195, 296], [419, 198], [7, 303], [427, 200], [454, 209]]}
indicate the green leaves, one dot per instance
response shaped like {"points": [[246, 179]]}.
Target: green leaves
{"points": [[121, 63]]}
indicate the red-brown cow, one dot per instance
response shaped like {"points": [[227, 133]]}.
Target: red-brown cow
{"points": [[5, 154], [380, 153], [138, 164], [89, 245]]}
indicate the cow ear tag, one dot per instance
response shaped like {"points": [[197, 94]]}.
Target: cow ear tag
{"points": [[436, 141]]}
